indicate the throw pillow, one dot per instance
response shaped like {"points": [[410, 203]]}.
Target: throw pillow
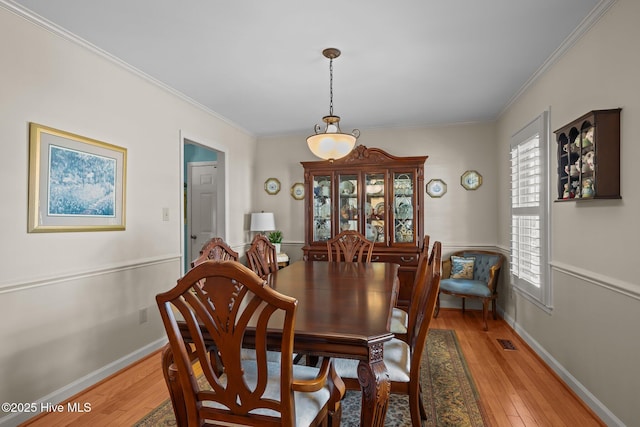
{"points": [[461, 267]]}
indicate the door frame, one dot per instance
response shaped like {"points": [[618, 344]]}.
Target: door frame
{"points": [[222, 188]]}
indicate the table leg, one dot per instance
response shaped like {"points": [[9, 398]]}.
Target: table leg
{"points": [[376, 387]]}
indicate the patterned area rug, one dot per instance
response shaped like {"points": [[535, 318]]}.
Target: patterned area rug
{"points": [[450, 396]]}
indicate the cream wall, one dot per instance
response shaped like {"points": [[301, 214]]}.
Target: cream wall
{"points": [[591, 336], [69, 302], [452, 219]]}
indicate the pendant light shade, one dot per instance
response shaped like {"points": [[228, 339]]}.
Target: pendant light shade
{"points": [[332, 143]]}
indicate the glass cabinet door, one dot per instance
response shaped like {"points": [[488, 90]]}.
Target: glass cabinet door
{"points": [[374, 211], [322, 207], [349, 209], [403, 209]]}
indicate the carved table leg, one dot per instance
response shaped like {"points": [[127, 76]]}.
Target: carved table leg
{"points": [[376, 387]]}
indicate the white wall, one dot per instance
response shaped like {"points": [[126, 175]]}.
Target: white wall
{"points": [[460, 218], [69, 302], [591, 335]]}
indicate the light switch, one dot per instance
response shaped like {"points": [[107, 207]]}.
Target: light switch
{"points": [[165, 214]]}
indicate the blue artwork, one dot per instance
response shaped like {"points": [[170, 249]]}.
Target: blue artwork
{"points": [[81, 184]]}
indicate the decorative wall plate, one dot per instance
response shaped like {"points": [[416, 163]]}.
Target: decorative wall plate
{"points": [[436, 188], [272, 186], [297, 191], [471, 180]]}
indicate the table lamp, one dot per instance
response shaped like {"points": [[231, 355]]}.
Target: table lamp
{"points": [[262, 221]]}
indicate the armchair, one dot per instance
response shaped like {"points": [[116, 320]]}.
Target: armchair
{"points": [[481, 282]]}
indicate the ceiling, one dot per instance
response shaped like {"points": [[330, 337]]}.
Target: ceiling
{"points": [[259, 64]]}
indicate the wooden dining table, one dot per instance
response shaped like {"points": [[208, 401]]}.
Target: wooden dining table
{"points": [[344, 310]]}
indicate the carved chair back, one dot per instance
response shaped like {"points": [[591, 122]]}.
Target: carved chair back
{"points": [[262, 257], [350, 246], [215, 249]]}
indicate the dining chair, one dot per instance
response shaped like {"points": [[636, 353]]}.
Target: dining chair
{"points": [[350, 246], [261, 256], [403, 359], [403, 320], [472, 274], [228, 304], [215, 249]]}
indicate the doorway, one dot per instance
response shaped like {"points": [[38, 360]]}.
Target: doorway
{"points": [[205, 204]]}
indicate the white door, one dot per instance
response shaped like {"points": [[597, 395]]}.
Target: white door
{"points": [[202, 205]]}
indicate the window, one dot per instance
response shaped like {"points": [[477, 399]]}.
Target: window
{"points": [[529, 211]]}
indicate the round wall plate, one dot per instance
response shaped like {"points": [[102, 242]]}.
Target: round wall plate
{"points": [[471, 180], [436, 188], [272, 186], [297, 191]]}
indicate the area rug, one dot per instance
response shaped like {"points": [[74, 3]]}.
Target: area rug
{"points": [[450, 396]]}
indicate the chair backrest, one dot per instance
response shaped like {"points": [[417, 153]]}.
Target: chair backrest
{"points": [[215, 249], [231, 299], [350, 246], [486, 266], [262, 257], [418, 284], [427, 303]]}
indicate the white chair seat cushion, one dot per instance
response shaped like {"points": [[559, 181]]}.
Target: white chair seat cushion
{"points": [[397, 358], [307, 404], [399, 321]]}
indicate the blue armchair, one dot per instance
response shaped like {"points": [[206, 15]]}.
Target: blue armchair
{"points": [[481, 282]]}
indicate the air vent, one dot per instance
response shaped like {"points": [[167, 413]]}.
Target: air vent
{"points": [[506, 344]]}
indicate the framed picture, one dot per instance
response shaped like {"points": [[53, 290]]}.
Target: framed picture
{"points": [[272, 186], [75, 183], [436, 188], [471, 180], [297, 191]]}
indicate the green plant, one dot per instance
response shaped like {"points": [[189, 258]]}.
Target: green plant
{"points": [[275, 236]]}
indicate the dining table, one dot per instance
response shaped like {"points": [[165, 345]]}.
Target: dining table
{"points": [[344, 311]]}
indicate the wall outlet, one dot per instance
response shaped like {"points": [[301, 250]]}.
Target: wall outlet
{"points": [[143, 315], [165, 214]]}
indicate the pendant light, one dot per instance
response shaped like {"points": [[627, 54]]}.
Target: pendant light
{"points": [[332, 143]]}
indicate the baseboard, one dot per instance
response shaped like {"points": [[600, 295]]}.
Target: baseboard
{"points": [[580, 390], [83, 383]]}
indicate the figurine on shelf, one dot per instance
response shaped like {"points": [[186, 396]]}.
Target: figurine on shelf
{"points": [[587, 137], [568, 192], [587, 188], [589, 159], [571, 170]]}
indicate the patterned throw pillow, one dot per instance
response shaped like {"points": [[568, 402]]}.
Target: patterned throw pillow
{"points": [[461, 267]]}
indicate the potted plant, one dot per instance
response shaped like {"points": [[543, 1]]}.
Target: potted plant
{"points": [[275, 237]]}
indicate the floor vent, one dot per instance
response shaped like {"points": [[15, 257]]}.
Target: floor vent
{"points": [[506, 344]]}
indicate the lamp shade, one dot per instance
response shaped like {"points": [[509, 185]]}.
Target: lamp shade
{"points": [[331, 145], [262, 221]]}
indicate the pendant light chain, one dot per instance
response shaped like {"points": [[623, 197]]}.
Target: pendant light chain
{"points": [[331, 86]]}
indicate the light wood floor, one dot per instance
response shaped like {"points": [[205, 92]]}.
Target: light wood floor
{"points": [[516, 388]]}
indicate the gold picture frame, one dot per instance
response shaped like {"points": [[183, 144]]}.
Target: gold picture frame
{"points": [[272, 186], [75, 183], [297, 191], [471, 180]]}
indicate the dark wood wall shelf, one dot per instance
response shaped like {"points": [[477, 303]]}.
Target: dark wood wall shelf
{"points": [[589, 157]]}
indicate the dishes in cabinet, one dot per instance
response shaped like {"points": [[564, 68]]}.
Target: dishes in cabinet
{"points": [[404, 211], [371, 232], [347, 187], [378, 211], [368, 210]]}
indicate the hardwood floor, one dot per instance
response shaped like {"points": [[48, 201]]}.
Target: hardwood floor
{"points": [[516, 388]]}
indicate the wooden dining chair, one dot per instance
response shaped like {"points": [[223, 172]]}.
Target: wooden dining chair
{"points": [[232, 309], [261, 256], [403, 360], [215, 249], [350, 246], [403, 320]]}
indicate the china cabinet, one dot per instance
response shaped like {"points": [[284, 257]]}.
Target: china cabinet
{"points": [[375, 193], [589, 157]]}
